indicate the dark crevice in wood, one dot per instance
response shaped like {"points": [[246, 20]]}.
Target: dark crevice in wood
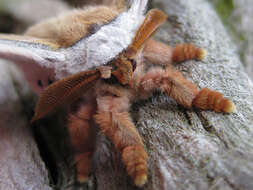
{"points": [[11, 24], [210, 128], [46, 156], [27, 105], [7, 23], [52, 140], [185, 112], [231, 184]]}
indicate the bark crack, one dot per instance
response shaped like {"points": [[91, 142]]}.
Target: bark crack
{"points": [[207, 126]]}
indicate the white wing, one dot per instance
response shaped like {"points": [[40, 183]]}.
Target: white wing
{"points": [[110, 40], [35, 57]]}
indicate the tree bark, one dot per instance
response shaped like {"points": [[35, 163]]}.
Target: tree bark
{"points": [[188, 149], [21, 165], [243, 25]]}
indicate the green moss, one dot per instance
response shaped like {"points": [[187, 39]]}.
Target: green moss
{"points": [[224, 8]]}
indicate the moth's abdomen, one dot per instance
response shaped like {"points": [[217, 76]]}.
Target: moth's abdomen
{"points": [[72, 26], [184, 52]]}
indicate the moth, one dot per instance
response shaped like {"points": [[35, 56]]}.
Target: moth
{"points": [[97, 59]]}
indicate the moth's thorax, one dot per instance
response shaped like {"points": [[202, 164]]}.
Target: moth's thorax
{"points": [[108, 42]]}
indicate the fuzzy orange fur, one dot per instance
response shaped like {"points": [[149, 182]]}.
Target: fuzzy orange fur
{"points": [[82, 136], [154, 18], [177, 87], [117, 4], [72, 26], [155, 51], [108, 106], [114, 121], [209, 99], [186, 51], [113, 102]]}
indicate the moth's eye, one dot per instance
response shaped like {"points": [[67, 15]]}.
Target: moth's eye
{"points": [[39, 83], [134, 64], [49, 81]]}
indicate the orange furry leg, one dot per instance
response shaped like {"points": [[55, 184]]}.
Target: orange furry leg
{"points": [[121, 131], [187, 94], [157, 52], [162, 54], [209, 99], [115, 122], [82, 137], [183, 91], [187, 51], [176, 86], [83, 166], [169, 81]]}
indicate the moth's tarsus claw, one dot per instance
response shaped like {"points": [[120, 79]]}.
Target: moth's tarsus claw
{"points": [[202, 54], [140, 180], [82, 179], [229, 107]]}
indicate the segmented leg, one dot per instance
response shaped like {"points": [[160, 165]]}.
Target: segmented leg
{"points": [[82, 136], [162, 54], [187, 51], [209, 99], [157, 52], [114, 121], [183, 91]]}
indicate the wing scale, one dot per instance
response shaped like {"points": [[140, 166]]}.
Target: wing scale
{"points": [[64, 91]]}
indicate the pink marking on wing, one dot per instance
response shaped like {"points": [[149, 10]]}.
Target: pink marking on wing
{"points": [[37, 76]]}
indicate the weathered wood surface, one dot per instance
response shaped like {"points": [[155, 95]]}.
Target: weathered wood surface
{"points": [[237, 17], [21, 165], [187, 149], [241, 20]]}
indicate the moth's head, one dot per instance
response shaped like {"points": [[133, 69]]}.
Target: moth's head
{"points": [[126, 61]]}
